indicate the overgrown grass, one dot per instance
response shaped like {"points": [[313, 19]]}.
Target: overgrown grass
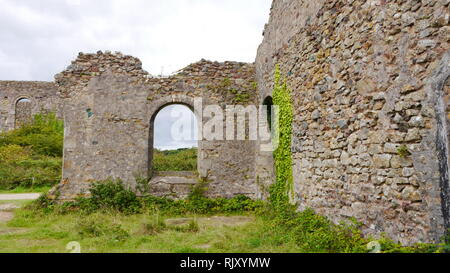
{"points": [[175, 160], [139, 233], [110, 232], [30, 156], [115, 220]]}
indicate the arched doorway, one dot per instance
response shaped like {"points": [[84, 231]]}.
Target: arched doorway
{"points": [[23, 111], [174, 139]]}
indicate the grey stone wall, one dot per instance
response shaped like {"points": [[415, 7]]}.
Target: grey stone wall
{"points": [[110, 104], [42, 97], [370, 127]]}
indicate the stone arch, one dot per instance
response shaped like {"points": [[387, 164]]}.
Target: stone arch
{"points": [[22, 108], [156, 107]]}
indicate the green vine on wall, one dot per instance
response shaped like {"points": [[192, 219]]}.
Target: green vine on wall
{"points": [[283, 188]]}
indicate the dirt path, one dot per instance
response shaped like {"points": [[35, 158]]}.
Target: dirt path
{"points": [[19, 196], [5, 216], [6, 209]]}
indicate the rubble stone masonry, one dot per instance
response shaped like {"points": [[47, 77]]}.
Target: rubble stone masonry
{"points": [[370, 93]]}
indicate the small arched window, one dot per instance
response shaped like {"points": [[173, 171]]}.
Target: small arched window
{"points": [[22, 112], [268, 102]]}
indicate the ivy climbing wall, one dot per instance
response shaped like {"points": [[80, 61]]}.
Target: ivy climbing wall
{"points": [[369, 130]]}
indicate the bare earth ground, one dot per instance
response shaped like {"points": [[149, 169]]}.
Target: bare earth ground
{"points": [[212, 221], [19, 196], [6, 208], [5, 216]]}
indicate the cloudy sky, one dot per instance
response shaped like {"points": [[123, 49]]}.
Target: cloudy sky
{"points": [[175, 127], [41, 38]]}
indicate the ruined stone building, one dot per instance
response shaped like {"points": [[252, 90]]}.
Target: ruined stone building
{"points": [[369, 82]]}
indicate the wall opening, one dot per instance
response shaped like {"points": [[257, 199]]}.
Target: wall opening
{"points": [[174, 140], [268, 101], [23, 112], [443, 151]]}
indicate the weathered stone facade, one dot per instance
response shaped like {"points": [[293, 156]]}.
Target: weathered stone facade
{"points": [[370, 89], [19, 101], [370, 130], [110, 104]]}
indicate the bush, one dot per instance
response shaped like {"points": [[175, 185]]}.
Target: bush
{"points": [[42, 204], [203, 205], [13, 153], [30, 173], [31, 155], [316, 233], [44, 136], [111, 195]]}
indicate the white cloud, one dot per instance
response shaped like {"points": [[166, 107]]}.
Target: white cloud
{"points": [[168, 132], [40, 38]]}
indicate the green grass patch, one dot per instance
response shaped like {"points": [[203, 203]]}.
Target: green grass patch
{"points": [[175, 160]]}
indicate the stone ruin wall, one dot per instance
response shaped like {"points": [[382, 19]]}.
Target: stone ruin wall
{"points": [[110, 104], [367, 78], [42, 98]]}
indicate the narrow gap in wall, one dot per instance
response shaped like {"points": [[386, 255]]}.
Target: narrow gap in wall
{"points": [[443, 151]]}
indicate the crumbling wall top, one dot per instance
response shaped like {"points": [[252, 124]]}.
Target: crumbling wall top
{"points": [[87, 66]]}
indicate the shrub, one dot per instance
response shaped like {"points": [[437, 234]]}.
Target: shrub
{"points": [[203, 205], [31, 155], [111, 195], [44, 135], [316, 233], [13, 153], [43, 204], [30, 173]]}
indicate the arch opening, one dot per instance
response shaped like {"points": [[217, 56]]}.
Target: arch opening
{"points": [[174, 141], [268, 102], [23, 112]]}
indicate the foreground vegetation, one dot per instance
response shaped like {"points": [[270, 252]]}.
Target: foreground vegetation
{"points": [[30, 157], [114, 219], [175, 160]]}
